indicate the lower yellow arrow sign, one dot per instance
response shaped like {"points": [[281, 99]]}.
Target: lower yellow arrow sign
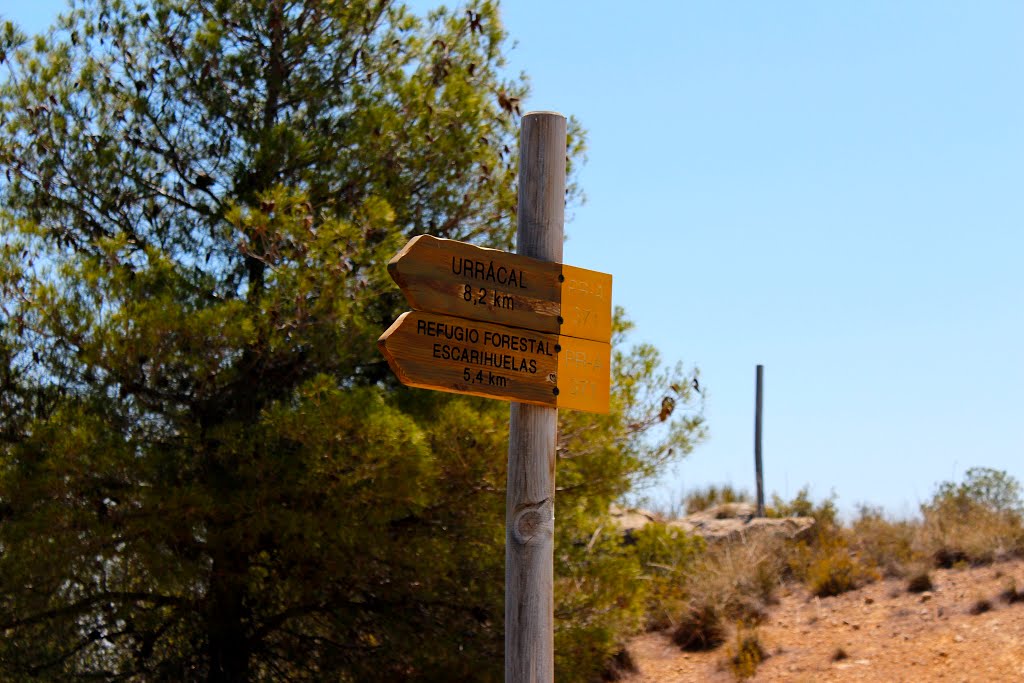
{"points": [[446, 353]]}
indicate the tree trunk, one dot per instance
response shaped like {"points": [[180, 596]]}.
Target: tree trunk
{"points": [[227, 623]]}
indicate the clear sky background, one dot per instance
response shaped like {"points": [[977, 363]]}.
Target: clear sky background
{"points": [[833, 190]]}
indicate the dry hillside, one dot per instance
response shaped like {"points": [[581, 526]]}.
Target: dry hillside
{"points": [[969, 627]]}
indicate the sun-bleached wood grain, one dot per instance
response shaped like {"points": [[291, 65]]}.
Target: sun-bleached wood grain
{"points": [[529, 517]]}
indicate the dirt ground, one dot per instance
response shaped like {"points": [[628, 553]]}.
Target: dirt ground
{"points": [[884, 633]]}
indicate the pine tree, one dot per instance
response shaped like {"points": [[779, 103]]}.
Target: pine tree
{"points": [[206, 469]]}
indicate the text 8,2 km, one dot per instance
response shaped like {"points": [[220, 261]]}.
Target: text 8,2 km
{"points": [[456, 278]]}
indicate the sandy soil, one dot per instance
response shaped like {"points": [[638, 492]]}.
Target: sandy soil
{"points": [[886, 634]]}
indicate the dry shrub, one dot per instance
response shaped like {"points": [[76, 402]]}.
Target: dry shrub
{"points": [[619, 666], [828, 564], [1010, 594], [764, 558], [832, 573], [746, 653], [839, 655], [919, 581], [700, 627], [980, 606], [962, 533], [664, 614], [746, 574], [733, 582], [947, 558], [884, 544]]}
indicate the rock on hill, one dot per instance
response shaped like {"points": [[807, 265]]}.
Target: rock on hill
{"points": [[720, 523]]}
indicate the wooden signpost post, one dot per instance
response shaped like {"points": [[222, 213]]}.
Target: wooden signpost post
{"points": [[523, 328]]}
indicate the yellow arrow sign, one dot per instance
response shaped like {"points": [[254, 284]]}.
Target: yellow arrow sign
{"points": [[452, 354], [445, 276]]}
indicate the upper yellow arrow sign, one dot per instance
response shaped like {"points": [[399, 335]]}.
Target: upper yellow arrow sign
{"points": [[456, 278]]}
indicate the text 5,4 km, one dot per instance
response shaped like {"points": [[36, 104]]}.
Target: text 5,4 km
{"points": [[487, 378], [488, 297]]}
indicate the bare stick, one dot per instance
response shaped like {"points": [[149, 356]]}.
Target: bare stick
{"points": [[757, 441]]}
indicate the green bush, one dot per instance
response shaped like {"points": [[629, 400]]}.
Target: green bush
{"points": [[976, 521], [599, 598], [994, 490], [704, 498], [746, 654], [666, 556], [825, 513]]}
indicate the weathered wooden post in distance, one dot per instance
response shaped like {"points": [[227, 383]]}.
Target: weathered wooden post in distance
{"points": [[518, 327], [758, 406]]}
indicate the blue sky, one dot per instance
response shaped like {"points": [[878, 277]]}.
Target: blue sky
{"points": [[834, 190]]}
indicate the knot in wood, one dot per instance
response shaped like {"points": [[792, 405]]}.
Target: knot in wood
{"points": [[533, 523]]}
